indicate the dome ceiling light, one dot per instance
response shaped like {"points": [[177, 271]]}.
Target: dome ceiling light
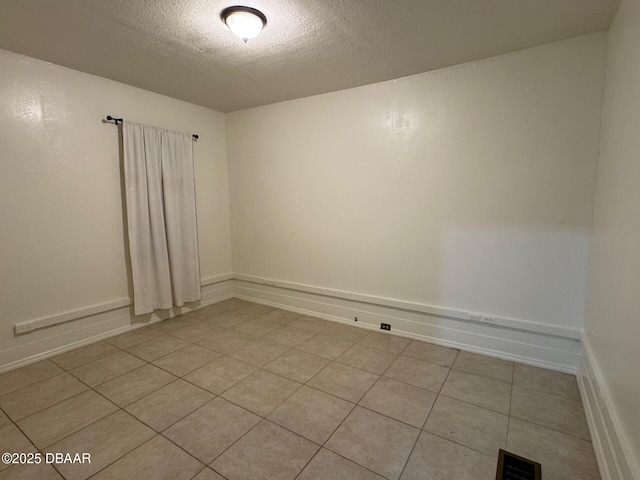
{"points": [[244, 22]]}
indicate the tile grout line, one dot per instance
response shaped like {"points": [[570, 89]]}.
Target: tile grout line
{"points": [[288, 351], [425, 422]]}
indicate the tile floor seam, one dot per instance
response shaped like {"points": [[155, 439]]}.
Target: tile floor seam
{"points": [[118, 458], [349, 460], [180, 419], [551, 428], [472, 404], [357, 404], [52, 358], [117, 376], [260, 338], [421, 388], [145, 395], [85, 426], [52, 405], [456, 442], [233, 443], [519, 385], [434, 402], [458, 369], [382, 349], [263, 417]]}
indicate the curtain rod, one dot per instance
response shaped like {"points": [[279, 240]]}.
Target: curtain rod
{"points": [[116, 120]]}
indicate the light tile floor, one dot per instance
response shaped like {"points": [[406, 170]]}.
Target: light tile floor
{"points": [[240, 391]]}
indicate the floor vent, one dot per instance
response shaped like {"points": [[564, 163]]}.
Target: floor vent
{"points": [[513, 467]]}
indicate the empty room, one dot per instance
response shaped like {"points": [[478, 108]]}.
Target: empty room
{"points": [[333, 240]]}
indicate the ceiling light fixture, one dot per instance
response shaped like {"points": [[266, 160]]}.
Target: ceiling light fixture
{"points": [[244, 22]]}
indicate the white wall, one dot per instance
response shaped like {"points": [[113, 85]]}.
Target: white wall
{"points": [[612, 325], [469, 188], [62, 245]]}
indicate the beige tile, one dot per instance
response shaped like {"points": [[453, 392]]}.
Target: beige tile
{"points": [[438, 459], [311, 413], [171, 403], [135, 384], [288, 336], [281, 317], [374, 441], [468, 425], [343, 381], [211, 429], [186, 359], [12, 440], [346, 332], [41, 395], [226, 342], [399, 400], [220, 375], [106, 368], [259, 353], [208, 474], [548, 381], [235, 304], [196, 332], [298, 366], [134, 337], [325, 346], [261, 392], [25, 376], [326, 465], [268, 452], [312, 324], [254, 309], [106, 440], [171, 325], [29, 472], [228, 319], [56, 422], [257, 327], [484, 366], [481, 391], [550, 411], [366, 358], [157, 347], [207, 312], [385, 341], [4, 420], [80, 356], [428, 352], [418, 373], [154, 460], [561, 456]]}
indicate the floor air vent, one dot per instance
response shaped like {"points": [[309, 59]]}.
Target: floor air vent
{"points": [[513, 467]]}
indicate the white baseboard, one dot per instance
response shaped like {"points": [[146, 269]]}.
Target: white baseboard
{"points": [[515, 323], [615, 458], [530, 346], [96, 325], [523, 341]]}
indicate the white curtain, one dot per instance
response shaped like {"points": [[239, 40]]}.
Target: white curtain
{"points": [[161, 214]]}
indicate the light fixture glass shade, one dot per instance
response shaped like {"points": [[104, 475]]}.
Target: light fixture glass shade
{"points": [[244, 22]]}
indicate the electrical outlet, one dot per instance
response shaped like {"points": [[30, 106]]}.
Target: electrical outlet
{"points": [[385, 326], [355, 319]]}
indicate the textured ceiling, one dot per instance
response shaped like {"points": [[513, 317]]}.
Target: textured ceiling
{"points": [[182, 49]]}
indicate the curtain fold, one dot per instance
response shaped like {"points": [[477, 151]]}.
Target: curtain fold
{"points": [[161, 216]]}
